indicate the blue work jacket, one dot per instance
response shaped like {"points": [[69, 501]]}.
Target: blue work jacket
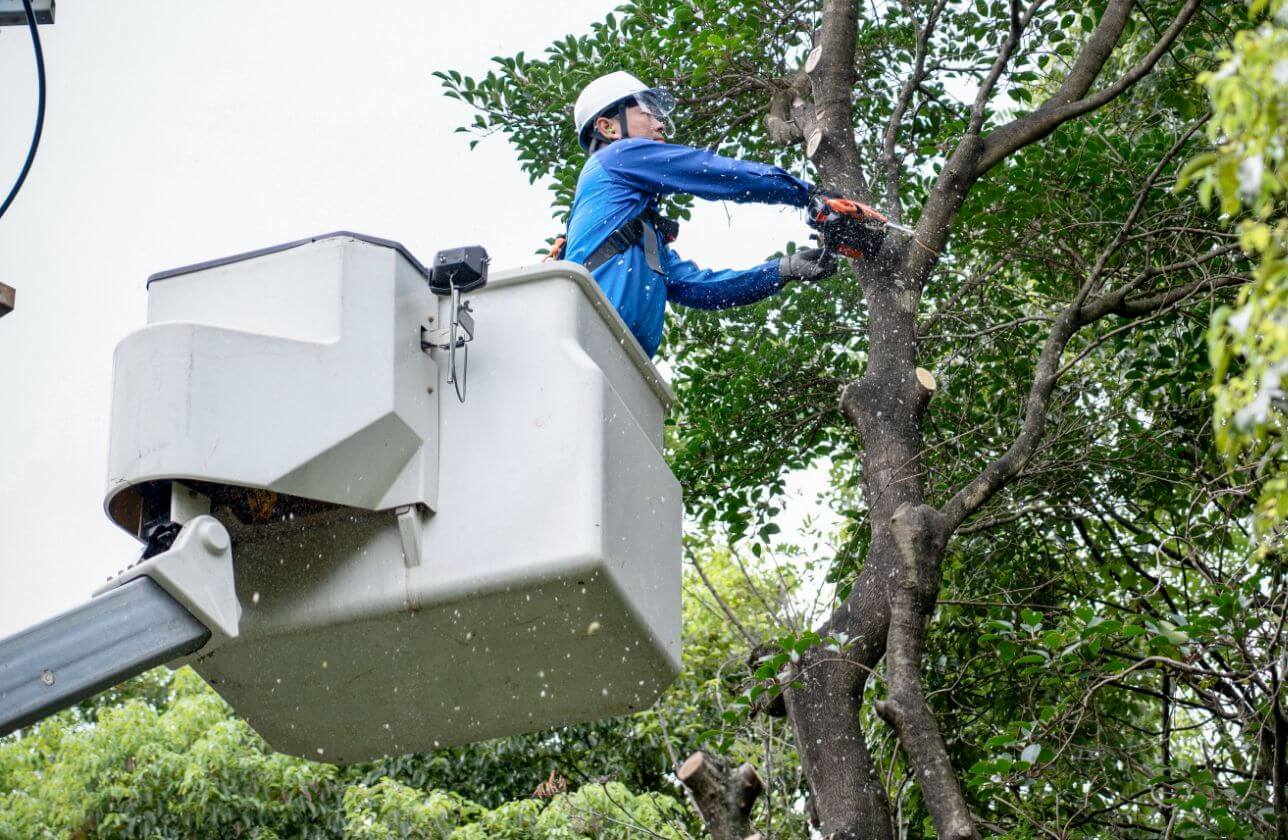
{"points": [[625, 177]]}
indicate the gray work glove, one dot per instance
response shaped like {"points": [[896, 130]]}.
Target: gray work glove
{"points": [[808, 266]]}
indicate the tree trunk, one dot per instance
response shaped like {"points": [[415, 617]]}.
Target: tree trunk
{"points": [[886, 405]]}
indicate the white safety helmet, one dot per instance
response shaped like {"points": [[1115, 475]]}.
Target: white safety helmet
{"points": [[606, 91]]}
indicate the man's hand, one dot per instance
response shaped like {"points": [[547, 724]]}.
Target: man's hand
{"points": [[808, 266]]}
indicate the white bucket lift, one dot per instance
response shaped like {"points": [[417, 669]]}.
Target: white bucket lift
{"points": [[409, 571]]}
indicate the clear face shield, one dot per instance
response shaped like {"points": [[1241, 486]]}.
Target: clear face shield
{"points": [[659, 104]]}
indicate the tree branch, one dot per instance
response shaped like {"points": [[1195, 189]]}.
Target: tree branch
{"points": [[1117, 302], [920, 536], [724, 607], [992, 478], [1142, 196], [1080, 312], [893, 165], [1143, 305], [962, 291], [781, 122], [1018, 24], [1070, 101]]}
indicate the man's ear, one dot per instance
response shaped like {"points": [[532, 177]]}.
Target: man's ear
{"points": [[607, 127]]}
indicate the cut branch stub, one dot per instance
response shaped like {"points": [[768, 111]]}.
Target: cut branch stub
{"points": [[724, 798], [812, 144], [811, 62], [779, 122], [926, 379]]}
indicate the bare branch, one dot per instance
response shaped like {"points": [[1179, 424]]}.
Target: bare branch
{"points": [[1151, 303], [1143, 195], [1004, 519], [724, 606], [1116, 302], [1100, 45], [1019, 22], [962, 291], [994, 476], [893, 165]]}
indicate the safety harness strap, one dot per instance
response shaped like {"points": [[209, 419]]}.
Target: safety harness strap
{"points": [[643, 228]]}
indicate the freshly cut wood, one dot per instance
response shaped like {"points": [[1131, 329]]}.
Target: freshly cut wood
{"points": [[691, 765], [811, 61], [926, 379], [811, 145]]}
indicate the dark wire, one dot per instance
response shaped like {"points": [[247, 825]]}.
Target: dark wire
{"points": [[40, 107]]}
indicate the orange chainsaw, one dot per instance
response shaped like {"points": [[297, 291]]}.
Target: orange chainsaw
{"points": [[847, 227]]}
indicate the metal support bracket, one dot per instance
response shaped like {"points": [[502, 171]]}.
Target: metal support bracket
{"points": [[198, 573], [457, 335], [411, 529]]}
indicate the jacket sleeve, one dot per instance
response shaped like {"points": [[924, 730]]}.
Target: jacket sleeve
{"points": [[701, 288], [664, 168]]}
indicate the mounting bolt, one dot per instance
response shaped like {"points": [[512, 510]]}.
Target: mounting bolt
{"points": [[47, 676], [213, 536]]}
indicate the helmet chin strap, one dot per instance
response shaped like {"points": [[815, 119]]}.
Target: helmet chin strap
{"points": [[621, 119]]}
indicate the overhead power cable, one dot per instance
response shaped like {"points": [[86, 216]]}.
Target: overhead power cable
{"points": [[40, 107]]}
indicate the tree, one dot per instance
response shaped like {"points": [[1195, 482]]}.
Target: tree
{"points": [[1056, 286]]}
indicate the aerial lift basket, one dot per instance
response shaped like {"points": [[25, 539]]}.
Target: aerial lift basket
{"points": [[376, 569]]}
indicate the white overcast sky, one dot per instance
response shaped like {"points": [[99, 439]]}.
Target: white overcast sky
{"points": [[178, 131]]}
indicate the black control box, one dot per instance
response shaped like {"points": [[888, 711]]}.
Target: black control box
{"points": [[459, 268]]}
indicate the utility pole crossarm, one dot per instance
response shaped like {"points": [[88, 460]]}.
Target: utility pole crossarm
{"points": [[12, 12]]}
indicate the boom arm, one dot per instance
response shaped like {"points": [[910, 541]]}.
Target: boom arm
{"points": [[160, 609], [121, 633]]}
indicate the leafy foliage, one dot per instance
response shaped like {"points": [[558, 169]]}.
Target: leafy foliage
{"points": [[164, 756], [1106, 658], [1247, 173]]}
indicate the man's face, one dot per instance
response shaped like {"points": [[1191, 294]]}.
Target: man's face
{"points": [[638, 124]]}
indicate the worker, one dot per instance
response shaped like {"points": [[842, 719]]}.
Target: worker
{"points": [[616, 231]]}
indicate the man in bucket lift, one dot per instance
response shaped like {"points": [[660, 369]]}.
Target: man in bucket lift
{"points": [[615, 229]]}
